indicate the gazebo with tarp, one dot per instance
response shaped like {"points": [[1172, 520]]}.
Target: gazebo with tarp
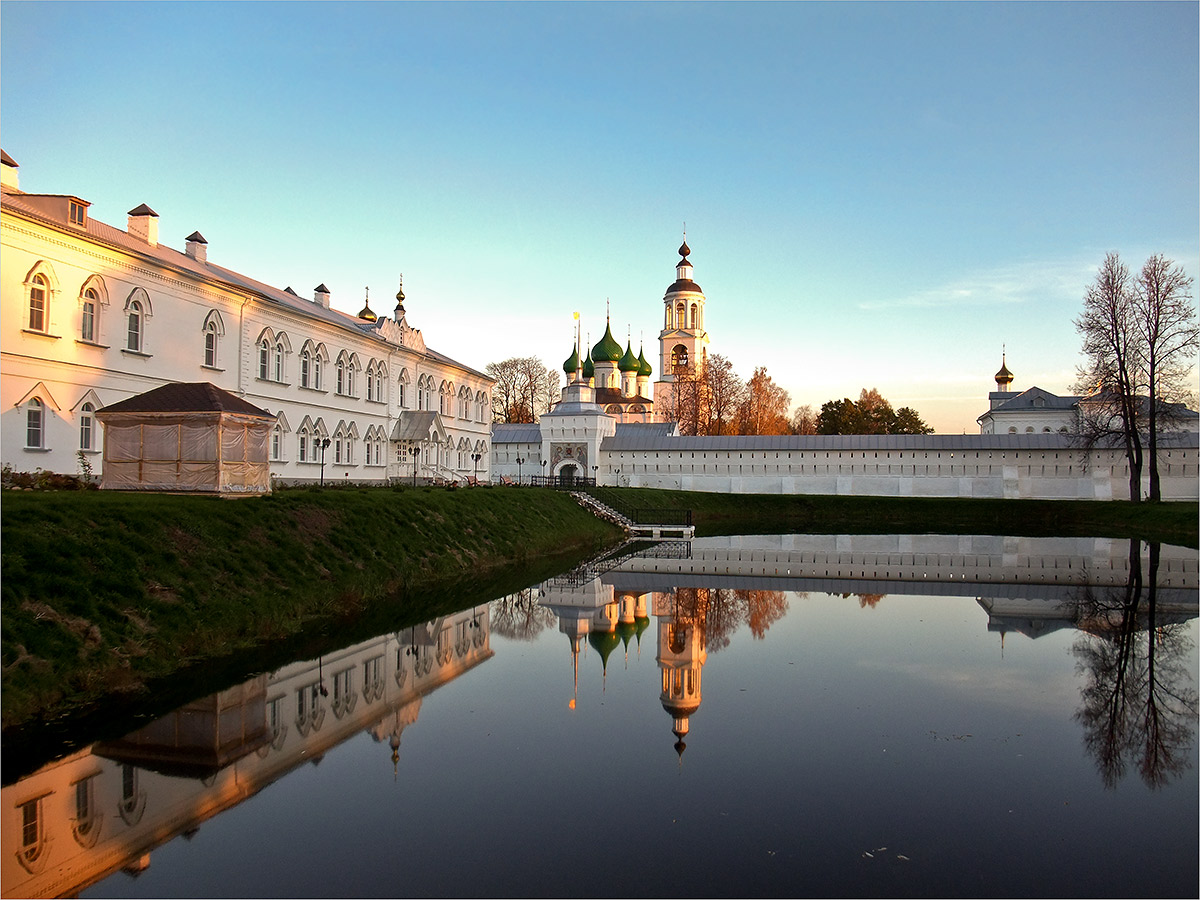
{"points": [[188, 437]]}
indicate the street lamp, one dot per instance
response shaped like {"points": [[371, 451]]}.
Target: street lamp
{"points": [[323, 444], [519, 461], [415, 451], [476, 457], [595, 474]]}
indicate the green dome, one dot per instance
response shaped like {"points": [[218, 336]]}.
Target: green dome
{"points": [[608, 350], [572, 363], [589, 370], [629, 362], [643, 366], [605, 642]]}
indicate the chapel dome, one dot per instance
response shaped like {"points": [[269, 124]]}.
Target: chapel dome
{"points": [[608, 350], [572, 363], [629, 362]]}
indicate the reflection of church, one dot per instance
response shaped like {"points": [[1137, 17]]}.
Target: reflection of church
{"points": [[603, 618]]}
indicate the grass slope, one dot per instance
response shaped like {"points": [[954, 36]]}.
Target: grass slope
{"points": [[1171, 523], [105, 592]]}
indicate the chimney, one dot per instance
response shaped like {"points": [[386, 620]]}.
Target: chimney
{"points": [[321, 296], [8, 171], [197, 247], [143, 223]]}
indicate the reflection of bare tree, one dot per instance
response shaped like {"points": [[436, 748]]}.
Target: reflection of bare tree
{"points": [[518, 616], [1139, 703], [721, 612]]}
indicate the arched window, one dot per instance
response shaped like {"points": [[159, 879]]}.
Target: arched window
{"points": [[210, 344], [278, 371], [89, 311], [401, 388], [87, 427], [264, 359], [305, 366], [1012, 429], [133, 333], [39, 292], [35, 424], [680, 316], [679, 356], [341, 379], [277, 443], [694, 321]]}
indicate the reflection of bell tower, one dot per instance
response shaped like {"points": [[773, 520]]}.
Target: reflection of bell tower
{"points": [[681, 657], [683, 342]]}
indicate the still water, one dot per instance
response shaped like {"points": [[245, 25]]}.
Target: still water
{"points": [[776, 715]]}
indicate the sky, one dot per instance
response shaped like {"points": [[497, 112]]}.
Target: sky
{"points": [[875, 195]]}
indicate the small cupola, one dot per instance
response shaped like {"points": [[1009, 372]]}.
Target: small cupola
{"points": [[1004, 377], [365, 313], [400, 300], [321, 296], [571, 366], [197, 247], [143, 224], [629, 362]]}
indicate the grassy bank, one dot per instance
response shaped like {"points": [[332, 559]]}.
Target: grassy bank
{"points": [[105, 593], [1171, 523]]}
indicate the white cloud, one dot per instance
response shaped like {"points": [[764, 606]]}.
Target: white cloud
{"points": [[1020, 282]]}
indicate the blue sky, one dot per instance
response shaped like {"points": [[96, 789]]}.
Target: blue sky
{"points": [[875, 195]]}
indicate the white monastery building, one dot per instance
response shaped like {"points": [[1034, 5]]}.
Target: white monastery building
{"points": [[93, 315]]}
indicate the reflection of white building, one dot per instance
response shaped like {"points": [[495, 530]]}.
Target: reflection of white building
{"points": [[92, 314], [99, 810]]}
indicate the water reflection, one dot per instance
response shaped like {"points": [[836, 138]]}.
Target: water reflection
{"points": [[106, 809]]}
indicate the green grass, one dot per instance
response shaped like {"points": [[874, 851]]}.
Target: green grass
{"points": [[1171, 523], [103, 593]]}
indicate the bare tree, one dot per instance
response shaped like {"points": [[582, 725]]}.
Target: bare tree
{"points": [[724, 392], [525, 388], [1109, 414], [804, 420], [1167, 331]]}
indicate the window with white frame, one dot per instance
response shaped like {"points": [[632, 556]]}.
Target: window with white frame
{"points": [[277, 372], [264, 358], [89, 316], [210, 345], [135, 327], [35, 424], [277, 443], [87, 427], [39, 294]]}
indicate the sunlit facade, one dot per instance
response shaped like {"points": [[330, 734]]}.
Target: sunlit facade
{"points": [[92, 314]]}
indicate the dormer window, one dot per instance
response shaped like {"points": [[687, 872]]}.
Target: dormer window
{"points": [[78, 213]]}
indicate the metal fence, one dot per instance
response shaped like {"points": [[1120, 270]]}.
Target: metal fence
{"points": [[562, 482]]}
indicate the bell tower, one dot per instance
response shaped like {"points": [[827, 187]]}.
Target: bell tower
{"points": [[683, 342]]}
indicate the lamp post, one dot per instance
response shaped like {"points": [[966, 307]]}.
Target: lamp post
{"points": [[595, 474], [323, 444], [476, 457], [415, 451], [543, 473], [519, 462]]}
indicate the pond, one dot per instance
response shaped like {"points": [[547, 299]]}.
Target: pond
{"points": [[784, 715]]}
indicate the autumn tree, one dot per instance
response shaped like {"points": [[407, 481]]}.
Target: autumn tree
{"points": [[765, 407], [525, 388]]}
